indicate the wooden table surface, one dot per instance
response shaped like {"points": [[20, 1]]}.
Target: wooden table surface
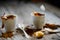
{"points": [[24, 10]]}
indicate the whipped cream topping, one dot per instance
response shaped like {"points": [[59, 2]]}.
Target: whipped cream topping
{"points": [[8, 17]]}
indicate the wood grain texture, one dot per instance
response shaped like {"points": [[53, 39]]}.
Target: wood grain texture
{"points": [[24, 10]]}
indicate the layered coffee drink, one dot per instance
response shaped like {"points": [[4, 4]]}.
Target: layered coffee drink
{"points": [[38, 20], [8, 22]]}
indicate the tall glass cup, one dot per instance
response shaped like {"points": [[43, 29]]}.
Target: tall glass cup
{"points": [[9, 22], [38, 20]]}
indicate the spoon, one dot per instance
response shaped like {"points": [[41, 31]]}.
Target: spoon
{"points": [[22, 27]]}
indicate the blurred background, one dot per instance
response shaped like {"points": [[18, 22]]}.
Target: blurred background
{"points": [[24, 8], [53, 2]]}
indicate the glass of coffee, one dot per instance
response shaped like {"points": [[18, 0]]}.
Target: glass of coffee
{"points": [[9, 22], [38, 20]]}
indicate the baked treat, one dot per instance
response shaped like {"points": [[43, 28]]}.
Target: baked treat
{"points": [[52, 26], [38, 34], [7, 34]]}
